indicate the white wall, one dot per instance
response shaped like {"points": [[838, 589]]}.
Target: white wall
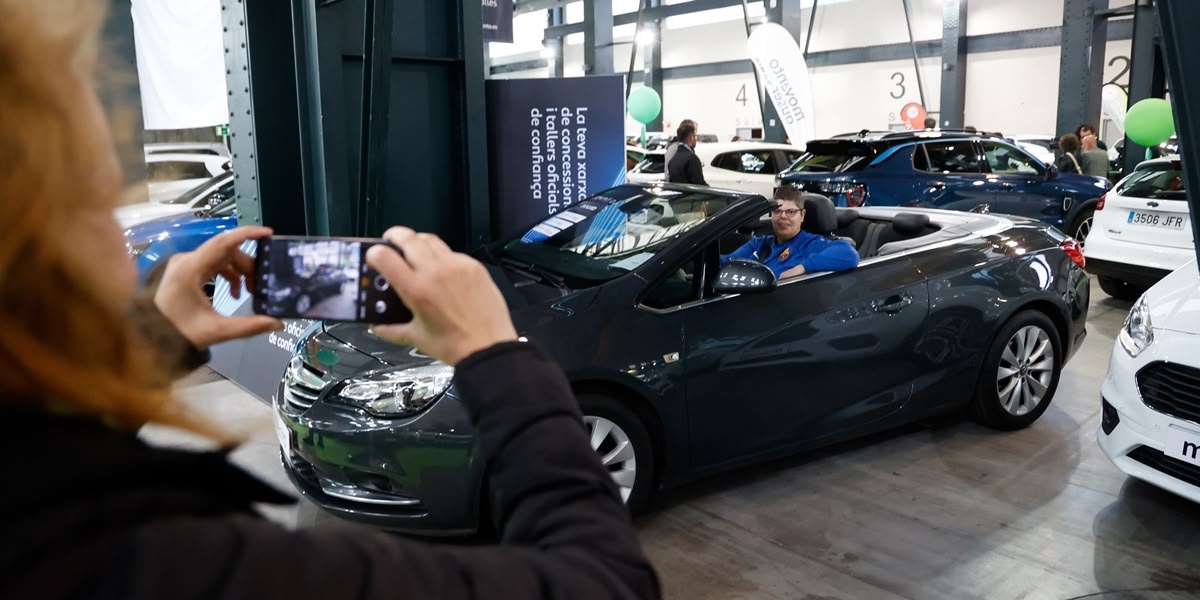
{"points": [[1012, 91]]}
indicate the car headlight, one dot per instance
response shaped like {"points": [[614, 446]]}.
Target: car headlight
{"points": [[1138, 332], [396, 394], [136, 250]]}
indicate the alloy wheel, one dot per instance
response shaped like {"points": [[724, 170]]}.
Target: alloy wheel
{"points": [[1082, 231], [1026, 370], [616, 452]]}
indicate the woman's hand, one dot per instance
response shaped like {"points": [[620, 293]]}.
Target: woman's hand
{"points": [[180, 296], [457, 309]]}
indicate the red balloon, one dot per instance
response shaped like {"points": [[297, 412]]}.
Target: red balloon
{"points": [[913, 115]]}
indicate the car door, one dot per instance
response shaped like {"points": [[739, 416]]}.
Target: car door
{"points": [[1020, 186], [952, 175], [820, 356], [747, 170]]}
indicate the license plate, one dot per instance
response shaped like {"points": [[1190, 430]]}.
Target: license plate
{"points": [[1153, 219], [1183, 444], [283, 433]]}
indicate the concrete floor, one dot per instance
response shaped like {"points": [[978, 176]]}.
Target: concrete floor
{"points": [[949, 510]]}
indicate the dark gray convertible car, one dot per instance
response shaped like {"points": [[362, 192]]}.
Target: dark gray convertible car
{"points": [[684, 367]]}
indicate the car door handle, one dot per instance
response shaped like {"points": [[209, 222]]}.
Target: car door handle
{"points": [[892, 304], [938, 186], [1008, 186]]}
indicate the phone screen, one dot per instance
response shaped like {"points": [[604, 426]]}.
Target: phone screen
{"points": [[323, 278]]}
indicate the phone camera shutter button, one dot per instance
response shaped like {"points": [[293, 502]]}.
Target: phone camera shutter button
{"points": [[380, 307]]}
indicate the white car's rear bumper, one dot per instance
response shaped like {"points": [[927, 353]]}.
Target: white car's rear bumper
{"points": [[1141, 427], [1133, 262]]}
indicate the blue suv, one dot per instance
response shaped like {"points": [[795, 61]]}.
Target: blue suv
{"points": [[954, 170]]}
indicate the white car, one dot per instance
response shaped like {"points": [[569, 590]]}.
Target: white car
{"points": [[1150, 419], [205, 148], [742, 166], [1141, 230], [171, 174], [209, 193], [1040, 146]]}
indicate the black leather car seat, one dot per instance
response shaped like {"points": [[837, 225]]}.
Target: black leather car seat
{"points": [[904, 226]]}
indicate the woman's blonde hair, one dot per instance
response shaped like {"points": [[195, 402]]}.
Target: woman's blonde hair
{"points": [[62, 346]]}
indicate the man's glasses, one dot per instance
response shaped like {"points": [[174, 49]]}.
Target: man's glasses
{"points": [[791, 212]]}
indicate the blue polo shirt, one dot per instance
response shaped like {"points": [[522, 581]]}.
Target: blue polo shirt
{"points": [[816, 253]]}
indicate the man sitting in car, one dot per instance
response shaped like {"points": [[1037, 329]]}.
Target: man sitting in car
{"points": [[789, 251]]}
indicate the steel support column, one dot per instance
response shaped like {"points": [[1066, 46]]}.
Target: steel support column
{"points": [[122, 96], [652, 69], [1081, 70], [376, 102], [1181, 45], [1146, 73], [597, 37], [954, 64], [555, 45], [786, 13]]}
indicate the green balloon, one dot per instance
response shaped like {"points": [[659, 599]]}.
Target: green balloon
{"points": [[1150, 122], [644, 105]]}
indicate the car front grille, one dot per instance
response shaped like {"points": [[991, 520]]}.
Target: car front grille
{"points": [[1162, 463], [1171, 389], [302, 385]]}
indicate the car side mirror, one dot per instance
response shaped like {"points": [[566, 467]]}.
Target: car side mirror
{"points": [[1051, 172], [741, 276]]}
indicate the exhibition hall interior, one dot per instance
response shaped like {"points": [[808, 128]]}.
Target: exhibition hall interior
{"points": [[809, 299]]}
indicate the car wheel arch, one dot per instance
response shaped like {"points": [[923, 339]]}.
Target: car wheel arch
{"points": [[1046, 307], [640, 405]]}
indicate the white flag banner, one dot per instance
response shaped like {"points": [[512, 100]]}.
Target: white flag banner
{"points": [[784, 74], [181, 63], [1113, 103]]}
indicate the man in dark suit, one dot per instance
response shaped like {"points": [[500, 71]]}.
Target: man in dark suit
{"points": [[685, 166]]}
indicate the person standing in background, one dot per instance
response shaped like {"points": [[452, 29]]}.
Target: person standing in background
{"points": [[930, 123], [673, 147], [1093, 160], [685, 166], [1067, 162], [1085, 130]]}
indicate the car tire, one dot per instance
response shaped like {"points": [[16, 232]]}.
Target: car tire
{"points": [[1081, 226], [1119, 289], [1015, 384], [303, 304], [610, 423]]}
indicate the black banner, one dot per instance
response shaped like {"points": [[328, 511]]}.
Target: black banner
{"points": [[552, 142], [498, 21]]}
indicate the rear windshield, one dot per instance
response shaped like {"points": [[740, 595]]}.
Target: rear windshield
{"points": [[1164, 183], [652, 164], [832, 156]]}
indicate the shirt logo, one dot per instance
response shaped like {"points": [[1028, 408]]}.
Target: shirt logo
{"points": [[786, 253]]}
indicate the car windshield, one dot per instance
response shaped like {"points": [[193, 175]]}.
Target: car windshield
{"points": [[653, 164], [612, 233], [199, 192], [1163, 182]]}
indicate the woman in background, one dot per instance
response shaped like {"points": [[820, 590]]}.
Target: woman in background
{"points": [[1068, 161]]}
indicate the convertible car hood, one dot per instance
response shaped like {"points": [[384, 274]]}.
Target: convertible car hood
{"points": [[529, 305], [1175, 301]]}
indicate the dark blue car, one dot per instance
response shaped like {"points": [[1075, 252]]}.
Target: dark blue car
{"points": [[949, 170], [151, 242]]}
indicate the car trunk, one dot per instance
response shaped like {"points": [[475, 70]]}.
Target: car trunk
{"points": [[1150, 207]]}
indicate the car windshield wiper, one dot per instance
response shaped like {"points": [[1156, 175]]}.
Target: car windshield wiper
{"points": [[540, 272]]}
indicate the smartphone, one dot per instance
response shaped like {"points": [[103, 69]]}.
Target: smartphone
{"points": [[323, 278]]}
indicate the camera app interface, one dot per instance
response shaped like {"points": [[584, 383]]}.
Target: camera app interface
{"points": [[314, 279]]}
